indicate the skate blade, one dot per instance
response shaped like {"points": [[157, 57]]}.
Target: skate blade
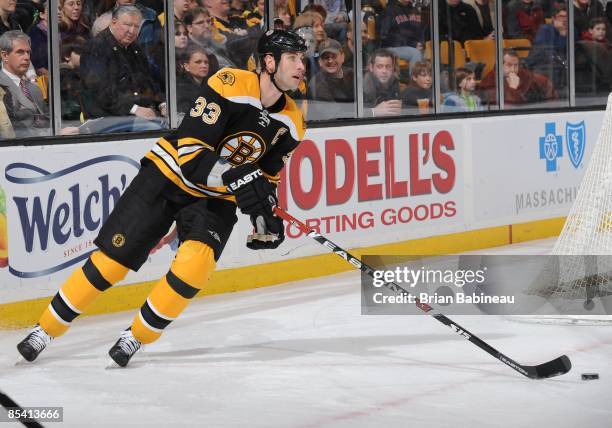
{"points": [[112, 365], [21, 362]]}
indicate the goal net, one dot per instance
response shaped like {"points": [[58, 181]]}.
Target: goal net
{"points": [[586, 277]]}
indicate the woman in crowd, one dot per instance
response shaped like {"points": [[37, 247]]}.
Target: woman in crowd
{"points": [[194, 70], [72, 21]]}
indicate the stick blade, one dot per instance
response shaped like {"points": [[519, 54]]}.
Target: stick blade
{"points": [[557, 367]]}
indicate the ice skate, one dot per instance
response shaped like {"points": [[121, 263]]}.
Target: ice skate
{"points": [[34, 343], [123, 350]]}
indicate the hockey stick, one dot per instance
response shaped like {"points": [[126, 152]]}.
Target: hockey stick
{"points": [[8, 403], [556, 367]]}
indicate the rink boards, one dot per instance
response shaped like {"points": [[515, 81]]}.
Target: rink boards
{"points": [[419, 187]]}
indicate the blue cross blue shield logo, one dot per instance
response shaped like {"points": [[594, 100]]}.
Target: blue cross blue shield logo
{"points": [[551, 146], [575, 137]]}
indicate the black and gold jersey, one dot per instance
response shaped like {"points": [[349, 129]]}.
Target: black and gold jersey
{"points": [[228, 125]]}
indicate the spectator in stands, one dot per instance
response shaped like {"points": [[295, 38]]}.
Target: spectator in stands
{"points": [[193, 72], [381, 89], [593, 60], [156, 5], [28, 111], [314, 21], [181, 8], [181, 37], [584, 12], [116, 78], [72, 21], [596, 32], [222, 21], [458, 21], [283, 14], [150, 30], [290, 5], [199, 27], [332, 86], [465, 99], [240, 39], [401, 31], [6, 127], [420, 87], [524, 18], [8, 18], [368, 46], [255, 14], [521, 86], [485, 12], [237, 8], [309, 25], [336, 17], [70, 77], [38, 36], [548, 55]]}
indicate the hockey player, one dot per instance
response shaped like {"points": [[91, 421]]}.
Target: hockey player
{"points": [[227, 153]]}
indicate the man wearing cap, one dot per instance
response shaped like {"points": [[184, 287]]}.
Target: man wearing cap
{"points": [[332, 88]]}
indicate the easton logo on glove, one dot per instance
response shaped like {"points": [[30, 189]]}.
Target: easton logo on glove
{"points": [[245, 179]]}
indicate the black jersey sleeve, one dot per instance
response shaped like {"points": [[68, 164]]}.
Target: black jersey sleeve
{"points": [[198, 135]]}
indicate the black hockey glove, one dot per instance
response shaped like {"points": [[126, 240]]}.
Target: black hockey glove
{"points": [[254, 193], [268, 232]]}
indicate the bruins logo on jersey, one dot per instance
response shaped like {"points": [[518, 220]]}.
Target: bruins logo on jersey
{"points": [[118, 240], [245, 147], [227, 77]]}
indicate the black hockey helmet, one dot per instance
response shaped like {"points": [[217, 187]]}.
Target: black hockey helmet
{"points": [[275, 42]]}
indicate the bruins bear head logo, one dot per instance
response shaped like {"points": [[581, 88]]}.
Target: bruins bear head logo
{"points": [[227, 77]]}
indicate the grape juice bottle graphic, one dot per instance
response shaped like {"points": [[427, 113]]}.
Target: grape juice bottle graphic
{"points": [[3, 231]]}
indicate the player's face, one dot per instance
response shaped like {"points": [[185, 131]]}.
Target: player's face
{"points": [[125, 28], [290, 71], [382, 68], [18, 61], [197, 65]]}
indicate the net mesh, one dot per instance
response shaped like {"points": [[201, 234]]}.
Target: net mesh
{"points": [[587, 232]]}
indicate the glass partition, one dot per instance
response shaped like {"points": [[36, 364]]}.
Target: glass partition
{"points": [[114, 70], [592, 52], [120, 71], [397, 75]]}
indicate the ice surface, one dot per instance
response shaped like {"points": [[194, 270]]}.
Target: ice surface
{"points": [[301, 355]]}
